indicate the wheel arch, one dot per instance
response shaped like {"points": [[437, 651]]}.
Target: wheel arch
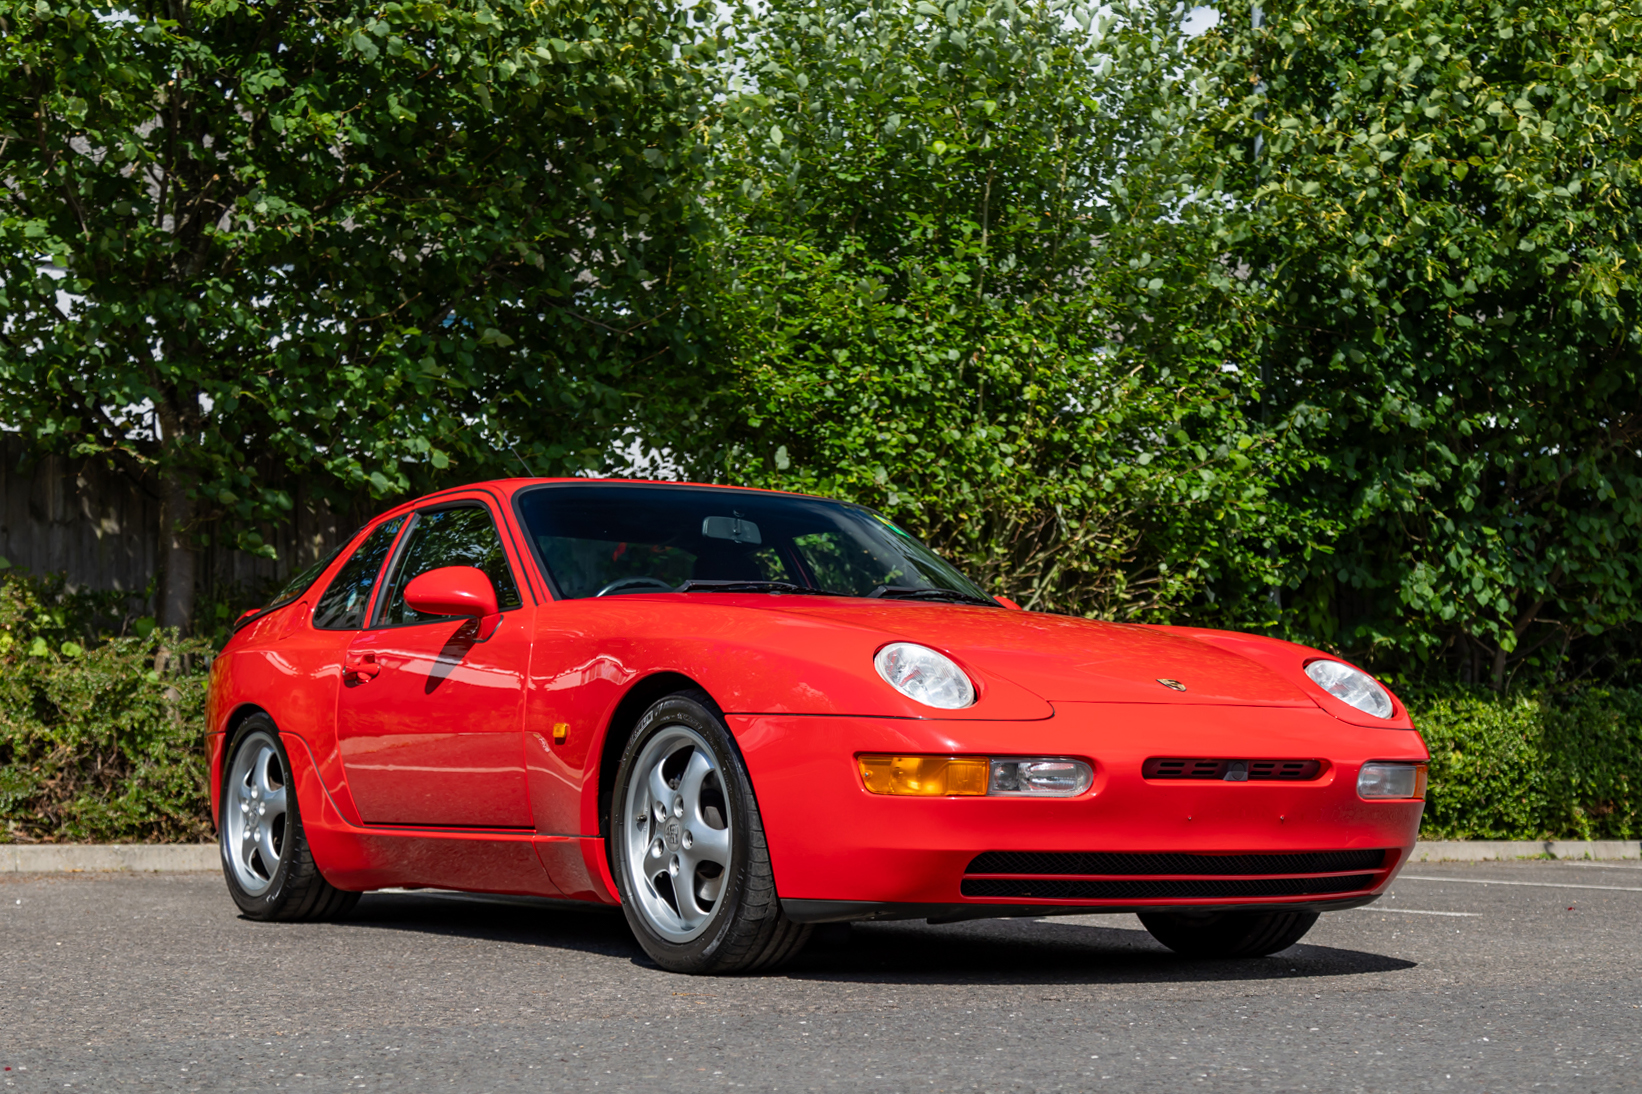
{"points": [[239, 715], [219, 744], [631, 707]]}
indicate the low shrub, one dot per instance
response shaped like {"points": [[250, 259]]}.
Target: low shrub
{"points": [[1532, 766], [101, 736]]}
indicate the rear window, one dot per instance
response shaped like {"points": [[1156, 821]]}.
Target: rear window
{"points": [[298, 584]]}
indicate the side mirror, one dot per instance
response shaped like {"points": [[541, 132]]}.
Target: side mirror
{"points": [[459, 591]]}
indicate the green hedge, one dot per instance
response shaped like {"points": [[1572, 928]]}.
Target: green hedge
{"points": [[1532, 766], [100, 741], [97, 745]]}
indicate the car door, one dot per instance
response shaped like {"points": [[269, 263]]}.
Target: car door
{"points": [[429, 715], [304, 662]]}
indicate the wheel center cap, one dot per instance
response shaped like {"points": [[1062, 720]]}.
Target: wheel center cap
{"points": [[672, 833]]}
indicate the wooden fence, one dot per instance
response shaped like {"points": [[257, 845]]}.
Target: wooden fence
{"points": [[100, 529]]}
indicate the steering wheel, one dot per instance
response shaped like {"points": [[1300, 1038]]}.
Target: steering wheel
{"points": [[640, 583]]}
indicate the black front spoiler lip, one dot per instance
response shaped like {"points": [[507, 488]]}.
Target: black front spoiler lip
{"points": [[844, 911]]}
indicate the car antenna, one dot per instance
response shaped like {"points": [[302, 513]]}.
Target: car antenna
{"points": [[522, 462]]}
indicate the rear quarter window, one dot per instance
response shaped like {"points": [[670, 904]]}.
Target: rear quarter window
{"points": [[347, 598]]}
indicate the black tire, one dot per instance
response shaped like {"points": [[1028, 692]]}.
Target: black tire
{"points": [[1228, 934], [292, 888], [746, 930]]}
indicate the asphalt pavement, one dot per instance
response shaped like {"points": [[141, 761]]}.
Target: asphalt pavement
{"points": [[1468, 977]]}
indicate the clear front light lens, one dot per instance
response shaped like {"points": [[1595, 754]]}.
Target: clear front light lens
{"points": [[1352, 686], [1378, 780], [1047, 778], [924, 676]]}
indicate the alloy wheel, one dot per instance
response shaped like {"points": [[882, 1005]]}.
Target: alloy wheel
{"points": [[676, 840], [254, 814]]}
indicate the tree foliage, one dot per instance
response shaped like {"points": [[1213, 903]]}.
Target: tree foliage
{"points": [[1444, 237], [377, 245], [1328, 327], [955, 289]]}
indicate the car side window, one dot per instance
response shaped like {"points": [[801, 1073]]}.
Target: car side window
{"points": [[448, 537], [342, 608]]}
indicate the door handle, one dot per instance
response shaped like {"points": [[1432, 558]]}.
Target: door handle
{"points": [[361, 666]]}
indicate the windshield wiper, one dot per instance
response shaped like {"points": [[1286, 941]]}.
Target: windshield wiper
{"points": [[895, 592], [950, 596], [702, 585]]}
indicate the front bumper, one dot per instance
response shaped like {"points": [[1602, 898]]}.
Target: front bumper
{"points": [[841, 853]]}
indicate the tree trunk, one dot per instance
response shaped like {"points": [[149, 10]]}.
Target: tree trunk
{"points": [[1520, 628], [177, 557]]}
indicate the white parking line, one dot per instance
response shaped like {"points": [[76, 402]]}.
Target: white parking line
{"points": [[1411, 911], [1529, 884]]}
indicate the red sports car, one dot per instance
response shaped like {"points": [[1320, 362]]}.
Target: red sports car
{"points": [[739, 713]]}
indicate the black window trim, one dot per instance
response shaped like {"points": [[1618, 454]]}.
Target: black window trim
{"points": [[530, 540], [379, 598]]}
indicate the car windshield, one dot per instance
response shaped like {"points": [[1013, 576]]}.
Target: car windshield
{"points": [[605, 539]]}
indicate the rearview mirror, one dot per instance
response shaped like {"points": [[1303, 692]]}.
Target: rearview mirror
{"points": [[733, 529], [456, 590]]}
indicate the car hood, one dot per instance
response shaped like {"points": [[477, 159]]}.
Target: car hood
{"points": [[1060, 658]]}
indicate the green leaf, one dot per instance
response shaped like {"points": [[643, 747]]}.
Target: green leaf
{"points": [[476, 185]]}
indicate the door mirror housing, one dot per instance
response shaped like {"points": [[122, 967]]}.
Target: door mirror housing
{"points": [[456, 591]]}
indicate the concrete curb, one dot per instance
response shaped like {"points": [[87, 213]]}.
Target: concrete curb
{"points": [[48, 858], [1489, 850]]}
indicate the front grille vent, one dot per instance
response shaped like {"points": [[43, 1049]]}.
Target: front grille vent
{"points": [[1124, 864], [1161, 888], [1175, 767]]}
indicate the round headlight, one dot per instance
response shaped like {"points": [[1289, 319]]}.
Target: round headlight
{"points": [[925, 676], [1352, 686]]}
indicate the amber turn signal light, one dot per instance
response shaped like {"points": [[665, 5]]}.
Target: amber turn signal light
{"points": [[925, 776]]}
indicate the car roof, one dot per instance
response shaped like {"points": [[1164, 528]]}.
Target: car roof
{"points": [[505, 489]]}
